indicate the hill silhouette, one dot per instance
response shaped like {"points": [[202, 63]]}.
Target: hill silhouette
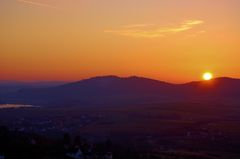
{"points": [[131, 90]]}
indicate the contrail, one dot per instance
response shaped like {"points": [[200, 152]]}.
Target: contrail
{"points": [[38, 4]]}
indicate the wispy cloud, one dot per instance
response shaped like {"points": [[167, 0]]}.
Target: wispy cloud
{"points": [[40, 4], [153, 31]]}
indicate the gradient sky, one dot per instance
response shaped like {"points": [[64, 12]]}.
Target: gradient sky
{"points": [[171, 40]]}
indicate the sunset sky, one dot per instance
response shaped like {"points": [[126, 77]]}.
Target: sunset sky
{"points": [[170, 40]]}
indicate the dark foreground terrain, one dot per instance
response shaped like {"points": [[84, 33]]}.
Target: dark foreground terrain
{"points": [[183, 130], [122, 118]]}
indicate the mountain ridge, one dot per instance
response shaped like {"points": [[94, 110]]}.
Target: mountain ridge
{"points": [[126, 90]]}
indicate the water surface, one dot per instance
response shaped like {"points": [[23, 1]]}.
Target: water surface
{"points": [[8, 106]]}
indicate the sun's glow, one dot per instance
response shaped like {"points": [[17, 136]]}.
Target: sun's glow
{"points": [[207, 76]]}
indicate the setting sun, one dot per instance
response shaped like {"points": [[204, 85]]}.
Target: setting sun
{"points": [[207, 76]]}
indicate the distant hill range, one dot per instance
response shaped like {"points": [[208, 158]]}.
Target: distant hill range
{"points": [[38, 84], [114, 90], [7, 87]]}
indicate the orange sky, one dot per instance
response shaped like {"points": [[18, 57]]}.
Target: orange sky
{"points": [[169, 40]]}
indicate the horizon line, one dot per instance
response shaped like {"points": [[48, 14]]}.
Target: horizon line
{"points": [[117, 76]]}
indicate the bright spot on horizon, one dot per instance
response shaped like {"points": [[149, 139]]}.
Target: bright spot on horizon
{"points": [[207, 76]]}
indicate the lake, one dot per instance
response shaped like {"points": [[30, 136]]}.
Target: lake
{"points": [[8, 106]]}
